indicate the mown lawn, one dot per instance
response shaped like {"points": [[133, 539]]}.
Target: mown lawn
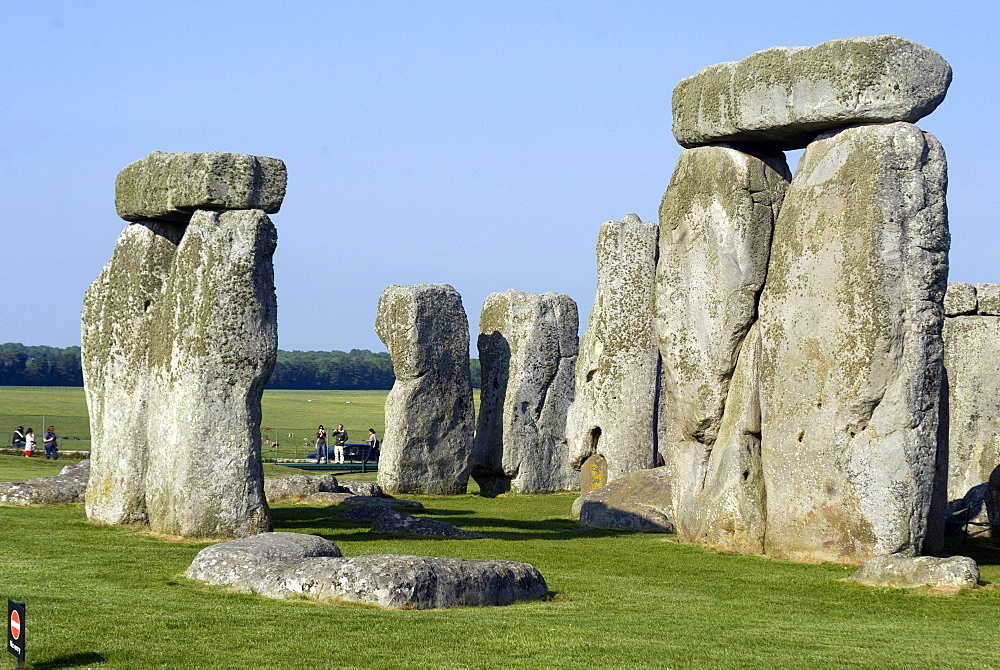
{"points": [[290, 418], [113, 597]]}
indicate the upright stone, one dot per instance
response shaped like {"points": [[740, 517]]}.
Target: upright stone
{"points": [[527, 349], [212, 351], [172, 186], [783, 97], [972, 365], [729, 510], [429, 416], [614, 407], [118, 313], [850, 322], [716, 222]]}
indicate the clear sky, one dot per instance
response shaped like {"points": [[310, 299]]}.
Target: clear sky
{"points": [[479, 144]]}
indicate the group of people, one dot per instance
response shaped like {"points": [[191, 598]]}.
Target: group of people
{"points": [[340, 440], [25, 439]]}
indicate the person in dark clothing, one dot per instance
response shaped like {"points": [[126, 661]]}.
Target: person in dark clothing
{"points": [[322, 451], [372, 452], [18, 439], [51, 445]]}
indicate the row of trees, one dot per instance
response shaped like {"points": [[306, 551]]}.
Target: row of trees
{"points": [[39, 366], [357, 369]]}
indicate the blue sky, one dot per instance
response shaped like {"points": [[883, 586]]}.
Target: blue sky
{"points": [[479, 144]]}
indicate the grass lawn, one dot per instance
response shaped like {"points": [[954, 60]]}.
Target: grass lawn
{"points": [[290, 418], [113, 597]]}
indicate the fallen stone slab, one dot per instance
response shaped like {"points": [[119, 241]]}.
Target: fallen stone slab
{"points": [[243, 563], [278, 488], [410, 582], [369, 509], [403, 524], [285, 565], [370, 489], [785, 96], [636, 501], [907, 573], [69, 486], [171, 186]]}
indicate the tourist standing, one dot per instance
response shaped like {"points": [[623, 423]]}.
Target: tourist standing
{"points": [[29, 443], [18, 439], [50, 443], [372, 446], [340, 435], [322, 451]]}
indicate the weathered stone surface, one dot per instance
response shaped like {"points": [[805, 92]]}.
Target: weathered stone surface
{"points": [[613, 411], [783, 97], [527, 348], [730, 509], [716, 222], [244, 562], [285, 565], [69, 486], [914, 572], [429, 416], [850, 321], [212, 349], [636, 501], [276, 488], [368, 489], [368, 509], [404, 524], [988, 299], [171, 186], [119, 313], [960, 299], [410, 582], [593, 473], [972, 364]]}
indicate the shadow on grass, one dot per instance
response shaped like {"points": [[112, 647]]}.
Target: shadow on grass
{"points": [[323, 520], [983, 550], [71, 660]]}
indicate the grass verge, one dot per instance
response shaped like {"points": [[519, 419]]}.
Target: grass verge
{"points": [[116, 597]]}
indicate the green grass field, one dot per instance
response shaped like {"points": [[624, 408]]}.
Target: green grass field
{"points": [[114, 597], [117, 598], [290, 418]]}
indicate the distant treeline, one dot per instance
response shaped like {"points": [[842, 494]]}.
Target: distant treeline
{"points": [[358, 369], [39, 366]]}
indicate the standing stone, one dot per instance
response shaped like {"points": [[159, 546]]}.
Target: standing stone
{"points": [[716, 222], [119, 310], [850, 323], [172, 186], [783, 97], [730, 510], [213, 347], [614, 408], [429, 415], [972, 362], [527, 349]]}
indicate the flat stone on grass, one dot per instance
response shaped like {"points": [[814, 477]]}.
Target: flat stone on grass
{"points": [[286, 565], [908, 573]]}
